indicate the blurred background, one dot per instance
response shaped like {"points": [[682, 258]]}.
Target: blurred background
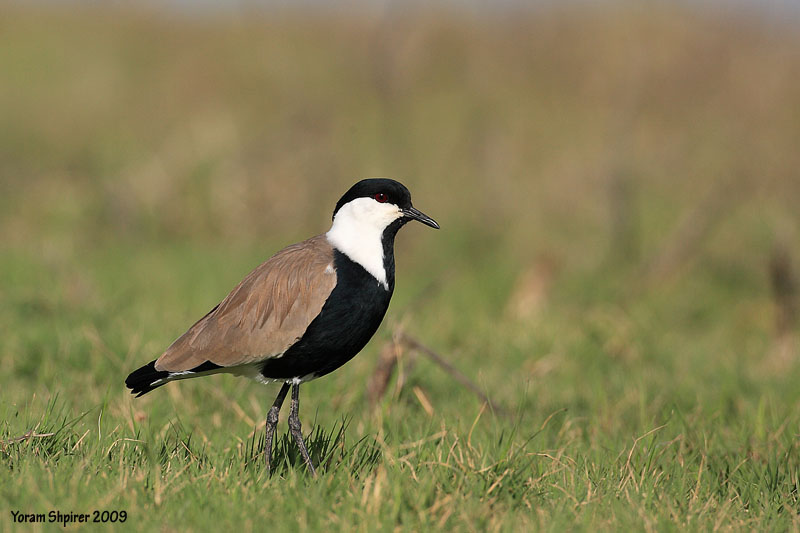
{"points": [[616, 184]]}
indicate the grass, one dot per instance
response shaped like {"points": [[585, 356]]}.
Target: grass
{"points": [[612, 185]]}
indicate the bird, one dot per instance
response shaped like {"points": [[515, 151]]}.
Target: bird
{"points": [[302, 313]]}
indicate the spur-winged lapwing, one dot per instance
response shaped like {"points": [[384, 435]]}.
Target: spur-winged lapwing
{"points": [[304, 312]]}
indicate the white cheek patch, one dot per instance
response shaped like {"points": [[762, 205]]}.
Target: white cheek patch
{"points": [[357, 231]]}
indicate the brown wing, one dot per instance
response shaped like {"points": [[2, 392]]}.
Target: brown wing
{"points": [[264, 315]]}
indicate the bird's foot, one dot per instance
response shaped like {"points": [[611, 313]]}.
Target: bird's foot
{"points": [[297, 434], [272, 423], [295, 428]]}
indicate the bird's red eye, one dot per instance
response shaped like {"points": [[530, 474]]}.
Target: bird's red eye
{"points": [[381, 197]]}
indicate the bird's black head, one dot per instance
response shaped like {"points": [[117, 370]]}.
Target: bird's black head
{"points": [[385, 191]]}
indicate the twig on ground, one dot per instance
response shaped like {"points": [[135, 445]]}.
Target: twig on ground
{"points": [[455, 373], [379, 381], [29, 435]]}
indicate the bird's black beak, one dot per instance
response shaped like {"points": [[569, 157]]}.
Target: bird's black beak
{"points": [[416, 214]]}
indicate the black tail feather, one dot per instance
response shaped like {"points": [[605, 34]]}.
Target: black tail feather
{"points": [[141, 381]]}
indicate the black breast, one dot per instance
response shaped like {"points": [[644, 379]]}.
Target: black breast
{"points": [[348, 320]]}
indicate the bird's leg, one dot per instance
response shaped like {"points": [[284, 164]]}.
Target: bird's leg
{"points": [[272, 422], [295, 429]]}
